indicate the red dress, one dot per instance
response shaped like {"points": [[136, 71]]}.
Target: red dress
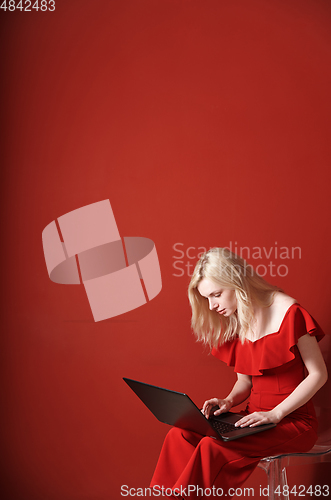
{"points": [[276, 367]]}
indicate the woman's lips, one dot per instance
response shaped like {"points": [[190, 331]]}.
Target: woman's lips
{"points": [[222, 311]]}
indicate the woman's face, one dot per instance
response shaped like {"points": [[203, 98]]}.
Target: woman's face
{"points": [[221, 300]]}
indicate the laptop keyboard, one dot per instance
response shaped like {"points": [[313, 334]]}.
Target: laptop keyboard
{"points": [[223, 427]]}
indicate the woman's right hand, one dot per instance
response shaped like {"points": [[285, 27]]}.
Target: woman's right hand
{"points": [[224, 405]]}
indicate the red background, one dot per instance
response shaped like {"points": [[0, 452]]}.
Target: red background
{"points": [[204, 123]]}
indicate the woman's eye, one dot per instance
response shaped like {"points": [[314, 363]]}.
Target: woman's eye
{"points": [[217, 294]]}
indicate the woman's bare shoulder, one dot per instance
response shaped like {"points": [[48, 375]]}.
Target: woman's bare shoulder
{"points": [[283, 300], [281, 303]]}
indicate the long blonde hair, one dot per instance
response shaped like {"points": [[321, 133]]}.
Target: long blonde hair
{"points": [[227, 270]]}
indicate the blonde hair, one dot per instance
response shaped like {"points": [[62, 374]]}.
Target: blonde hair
{"points": [[227, 270]]}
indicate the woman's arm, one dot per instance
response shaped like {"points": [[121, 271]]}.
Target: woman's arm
{"points": [[241, 390], [316, 378]]}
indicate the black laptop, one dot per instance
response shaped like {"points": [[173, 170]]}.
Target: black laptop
{"points": [[177, 409]]}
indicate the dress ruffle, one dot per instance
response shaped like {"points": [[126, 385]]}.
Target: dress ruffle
{"points": [[272, 350]]}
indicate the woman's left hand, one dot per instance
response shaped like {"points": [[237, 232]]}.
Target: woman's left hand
{"points": [[258, 418]]}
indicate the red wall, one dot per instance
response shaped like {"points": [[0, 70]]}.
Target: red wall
{"points": [[205, 123]]}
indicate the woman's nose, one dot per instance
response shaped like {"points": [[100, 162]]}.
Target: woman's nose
{"points": [[212, 304]]}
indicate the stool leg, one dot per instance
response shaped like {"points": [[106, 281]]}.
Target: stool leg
{"points": [[284, 484], [277, 481]]}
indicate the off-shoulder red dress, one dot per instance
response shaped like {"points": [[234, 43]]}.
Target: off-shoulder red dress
{"points": [[276, 367]]}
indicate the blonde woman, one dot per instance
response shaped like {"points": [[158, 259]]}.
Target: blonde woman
{"points": [[272, 343]]}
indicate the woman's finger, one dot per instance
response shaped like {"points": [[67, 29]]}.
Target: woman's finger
{"points": [[260, 422], [222, 409], [208, 405]]}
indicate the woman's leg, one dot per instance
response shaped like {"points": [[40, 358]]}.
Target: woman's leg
{"points": [[190, 463], [177, 449], [188, 459]]}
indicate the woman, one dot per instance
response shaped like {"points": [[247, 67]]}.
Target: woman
{"points": [[272, 343]]}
